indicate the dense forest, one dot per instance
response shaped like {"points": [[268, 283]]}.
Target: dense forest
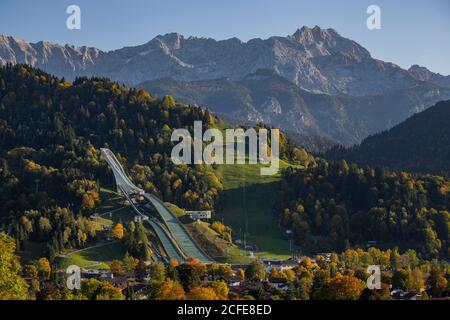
{"points": [[334, 206], [50, 165], [419, 144]]}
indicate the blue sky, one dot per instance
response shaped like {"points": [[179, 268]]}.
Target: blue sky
{"points": [[414, 31]]}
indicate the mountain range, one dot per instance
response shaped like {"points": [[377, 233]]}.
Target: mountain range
{"points": [[265, 96], [313, 82]]}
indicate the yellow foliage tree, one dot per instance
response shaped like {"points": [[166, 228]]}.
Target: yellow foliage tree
{"points": [[344, 288], [201, 293], [225, 270], [307, 263], [174, 263], [64, 85], [170, 290], [44, 267], [220, 288], [218, 227], [177, 184], [240, 273], [118, 231], [88, 202], [116, 267], [274, 273], [168, 102], [289, 274], [12, 285]]}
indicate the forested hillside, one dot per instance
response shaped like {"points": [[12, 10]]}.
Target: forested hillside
{"points": [[420, 144], [333, 206], [51, 170], [50, 166]]}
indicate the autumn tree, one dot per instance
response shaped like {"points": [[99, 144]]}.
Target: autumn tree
{"points": [[255, 271], [202, 293], [129, 263], [377, 294], [219, 227], [418, 280], [289, 274], [220, 288], [343, 288], [321, 279], [94, 289], [225, 270], [169, 290], [116, 267], [304, 283], [402, 279], [307, 263], [168, 102], [274, 273], [157, 272], [44, 268], [240, 273], [12, 286], [118, 231], [437, 281], [189, 275]]}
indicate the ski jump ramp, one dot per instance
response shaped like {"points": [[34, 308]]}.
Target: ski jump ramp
{"points": [[175, 230]]}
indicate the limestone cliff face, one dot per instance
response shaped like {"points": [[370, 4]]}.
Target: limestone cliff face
{"points": [[65, 61], [423, 74]]}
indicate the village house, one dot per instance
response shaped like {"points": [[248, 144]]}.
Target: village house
{"points": [[280, 265], [232, 281], [279, 283]]}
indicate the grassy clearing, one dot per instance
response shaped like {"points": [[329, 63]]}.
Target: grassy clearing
{"points": [[119, 214], [101, 223], [99, 256], [246, 206]]}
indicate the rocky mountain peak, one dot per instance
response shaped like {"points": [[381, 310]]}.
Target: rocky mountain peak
{"points": [[307, 35], [423, 74], [325, 42], [172, 40], [420, 73]]}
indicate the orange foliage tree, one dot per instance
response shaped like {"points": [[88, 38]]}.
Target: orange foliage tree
{"points": [[170, 290], [118, 231], [343, 288]]}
